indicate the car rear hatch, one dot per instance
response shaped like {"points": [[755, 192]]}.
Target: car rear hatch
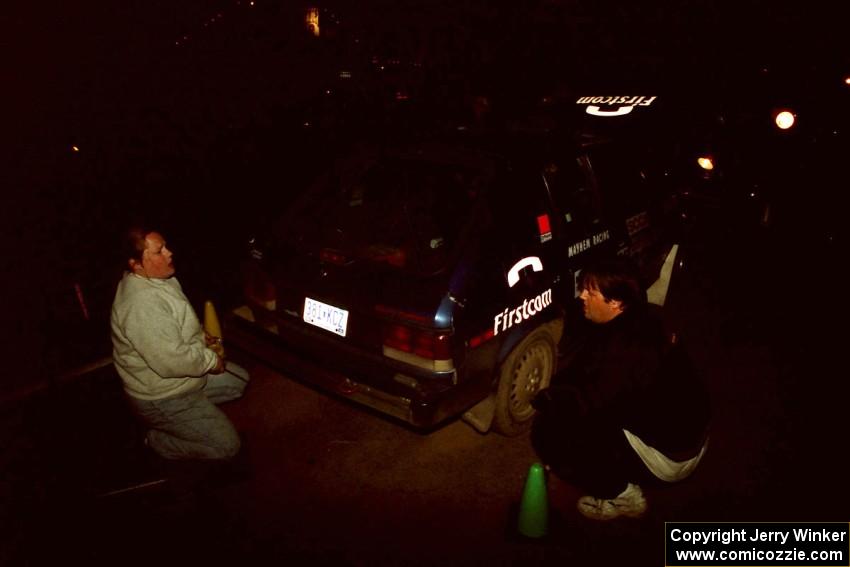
{"points": [[356, 274], [353, 301]]}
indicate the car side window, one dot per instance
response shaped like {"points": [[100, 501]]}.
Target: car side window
{"points": [[520, 212], [622, 182], [518, 225], [574, 195]]}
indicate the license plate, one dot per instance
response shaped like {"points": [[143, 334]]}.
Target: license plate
{"points": [[326, 316]]}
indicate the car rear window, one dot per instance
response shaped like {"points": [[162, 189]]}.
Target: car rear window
{"points": [[401, 213]]}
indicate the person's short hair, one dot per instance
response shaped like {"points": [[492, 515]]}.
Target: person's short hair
{"points": [[134, 242], [617, 279]]}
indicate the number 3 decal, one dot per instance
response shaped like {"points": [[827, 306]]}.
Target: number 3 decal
{"points": [[513, 273]]}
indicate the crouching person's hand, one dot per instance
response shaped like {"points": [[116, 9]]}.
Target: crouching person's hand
{"points": [[561, 401], [543, 400], [219, 365]]}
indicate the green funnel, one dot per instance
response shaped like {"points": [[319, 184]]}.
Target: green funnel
{"points": [[534, 508]]}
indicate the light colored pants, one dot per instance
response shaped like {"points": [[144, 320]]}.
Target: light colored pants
{"points": [[191, 426]]}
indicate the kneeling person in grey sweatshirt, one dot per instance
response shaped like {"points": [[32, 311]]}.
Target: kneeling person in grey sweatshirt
{"points": [[171, 377]]}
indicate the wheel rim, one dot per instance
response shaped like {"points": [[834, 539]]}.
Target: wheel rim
{"points": [[532, 372]]}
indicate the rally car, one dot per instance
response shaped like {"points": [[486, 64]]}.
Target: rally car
{"points": [[437, 279]]}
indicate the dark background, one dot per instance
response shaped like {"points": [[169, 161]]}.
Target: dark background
{"points": [[204, 118]]}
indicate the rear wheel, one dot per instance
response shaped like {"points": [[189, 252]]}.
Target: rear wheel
{"points": [[524, 372]]}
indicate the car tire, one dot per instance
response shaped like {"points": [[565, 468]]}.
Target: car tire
{"points": [[524, 372]]}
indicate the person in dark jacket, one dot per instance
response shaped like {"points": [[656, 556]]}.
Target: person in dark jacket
{"points": [[630, 408]]}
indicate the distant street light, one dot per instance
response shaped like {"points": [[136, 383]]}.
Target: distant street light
{"points": [[706, 163], [312, 19], [785, 119]]}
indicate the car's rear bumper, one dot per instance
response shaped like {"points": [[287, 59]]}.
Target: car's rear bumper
{"points": [[418, 398]]}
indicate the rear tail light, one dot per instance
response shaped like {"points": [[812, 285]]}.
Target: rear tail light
{"points": [[427, 344], [427, 349], [398, 337], [432, 345], [392, 256], [258, 286]]}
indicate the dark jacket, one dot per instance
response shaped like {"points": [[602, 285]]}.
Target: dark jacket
{"points": [[631, 374]]}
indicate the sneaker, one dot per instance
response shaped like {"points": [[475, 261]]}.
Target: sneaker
{"points": [[630, 503]]}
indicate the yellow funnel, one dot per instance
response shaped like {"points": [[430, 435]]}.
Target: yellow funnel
{"points": [[213, 328]]}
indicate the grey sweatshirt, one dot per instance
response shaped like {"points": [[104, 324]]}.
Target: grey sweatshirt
{"points": [[158, 345]]}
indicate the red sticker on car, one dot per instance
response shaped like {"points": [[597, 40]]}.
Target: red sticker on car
{"points": [[544, 227]]}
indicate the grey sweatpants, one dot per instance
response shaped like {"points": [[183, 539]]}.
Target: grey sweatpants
{"points": [[191, 426]]}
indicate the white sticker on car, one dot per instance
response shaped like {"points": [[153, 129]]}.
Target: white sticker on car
{"points": [[532, 261], [624, 104], [587, 243], [529, 308]]}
